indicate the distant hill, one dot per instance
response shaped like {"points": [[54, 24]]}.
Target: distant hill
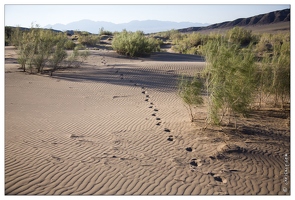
{"points": [[271, 18], [147, 26]]}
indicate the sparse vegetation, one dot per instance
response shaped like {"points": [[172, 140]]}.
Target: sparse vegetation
{"points": [[240, 36], [104, 32], [88, 39], [134, 44], [189, 43], [39, 48], [229, 77], [240, 67], [69, 45], [190, 90]]}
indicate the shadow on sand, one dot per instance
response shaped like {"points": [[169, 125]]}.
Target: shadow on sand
{"points": [[132, 74]]}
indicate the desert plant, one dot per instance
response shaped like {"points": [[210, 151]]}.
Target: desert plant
{"points": [[69, 45], [239, 36], [190, 90], [134, 44], [23, 42], [38, 47], [44, 43], [84, 55], [104, 32], [273, 73], [229, 77], [8, 35], [58, 55], [71, 60], [189, 43], [88, 39]]}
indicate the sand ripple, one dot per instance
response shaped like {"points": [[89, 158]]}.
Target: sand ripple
{"points": [[101, 130]]}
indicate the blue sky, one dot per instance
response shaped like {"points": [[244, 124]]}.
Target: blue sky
{"points": [[24, 15]]}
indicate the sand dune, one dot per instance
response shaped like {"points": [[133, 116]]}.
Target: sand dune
{"points": [[117, 126]]}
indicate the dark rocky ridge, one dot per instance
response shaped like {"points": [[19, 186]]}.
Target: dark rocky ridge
{"points": [[262, 19]]}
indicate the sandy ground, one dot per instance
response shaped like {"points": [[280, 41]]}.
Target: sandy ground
{"points": [[117, 126]]}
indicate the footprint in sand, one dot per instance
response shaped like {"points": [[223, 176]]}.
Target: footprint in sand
{"points": [[170, 138], [189, 149], [76, 136], [218, 178], [150, 106], [156, 109], [154, 114], [147, 96], [146, 99], [166, 130], [143, 92], [193, 163], [158, 124], [158, 118]]}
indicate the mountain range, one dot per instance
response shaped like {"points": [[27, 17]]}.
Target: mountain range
{"points": [[257, 20], [147, 26]]}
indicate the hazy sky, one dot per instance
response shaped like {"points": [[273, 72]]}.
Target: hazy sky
{"points": [[24, 15]]}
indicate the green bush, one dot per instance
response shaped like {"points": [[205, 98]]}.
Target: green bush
{"points": [[233, 76], [189, 43], [38, 48], [104, 32], [134, 44], [229, 74], [190, 90], [69, 45], [239, 36], [171, 34], [275, 73], [8, 35], [90, 40]]}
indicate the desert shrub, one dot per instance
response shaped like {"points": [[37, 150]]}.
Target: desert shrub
{"points": [[58, 55], [8, 35], [239, 36], [72, 58], [23, 42], [76, 57], [39, 48], [104, 32], [69, 45], [229, 74], [189, 43], [84, 55], [44, 43], [190, 90], [134, 44], [273, 73], [88, 39], [267, 41], [79, 47], [171, 34]]}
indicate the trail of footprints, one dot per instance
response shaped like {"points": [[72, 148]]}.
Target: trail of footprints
{"points": [[158, 122]]}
